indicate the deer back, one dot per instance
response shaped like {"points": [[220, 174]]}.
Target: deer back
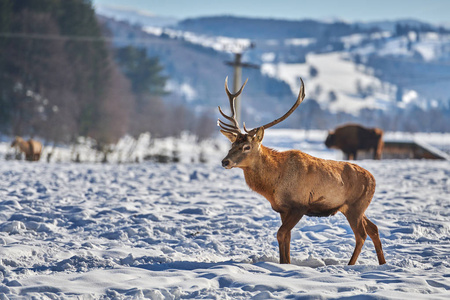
{"points": [[295, 180]]}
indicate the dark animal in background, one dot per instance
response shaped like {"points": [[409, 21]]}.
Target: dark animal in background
{"points": [[31, 148], [351, 138]]}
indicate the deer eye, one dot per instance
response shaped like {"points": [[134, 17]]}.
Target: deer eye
{"points": [[246, 148]]}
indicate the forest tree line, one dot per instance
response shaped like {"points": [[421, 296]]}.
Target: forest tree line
{"points": [[61, 79]]}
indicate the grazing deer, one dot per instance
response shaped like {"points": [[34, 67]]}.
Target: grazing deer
{"points": [[298, 184], [31, 148]]}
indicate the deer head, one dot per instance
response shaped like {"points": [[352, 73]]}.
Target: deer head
{"points": [[245, 146], [17, 140]]}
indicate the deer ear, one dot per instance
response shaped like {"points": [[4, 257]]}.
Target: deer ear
{"points": [[231, 136], [259, 134]]}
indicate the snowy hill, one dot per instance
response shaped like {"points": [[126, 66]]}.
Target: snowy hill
{"points": [[138, 17], [350, 70], [336, 84]]}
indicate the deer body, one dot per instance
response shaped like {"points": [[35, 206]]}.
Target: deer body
{"points": [[295, 180], [31, 148], [298, 184]]}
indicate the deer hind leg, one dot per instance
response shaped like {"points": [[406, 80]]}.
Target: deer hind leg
{"points": [[357, 224], [289, 220], [372, 231]]}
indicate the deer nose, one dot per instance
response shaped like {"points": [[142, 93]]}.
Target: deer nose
{"points": [[225, 163]]}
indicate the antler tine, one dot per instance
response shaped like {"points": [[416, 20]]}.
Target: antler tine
{"points": [[235, 95], [232, 119], [222, 123], [228, 128], [234, 127], [245, 128]]}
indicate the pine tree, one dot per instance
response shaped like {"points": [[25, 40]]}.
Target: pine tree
{"points": [[144, 72], [148, 85], [56, 71]]}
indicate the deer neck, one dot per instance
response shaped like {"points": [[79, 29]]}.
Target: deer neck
{"points": [[261, 176]]}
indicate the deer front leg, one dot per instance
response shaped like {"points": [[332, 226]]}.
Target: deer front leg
{"points": [[289, 220]]}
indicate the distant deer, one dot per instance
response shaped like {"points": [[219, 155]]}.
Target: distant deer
{"points": [[31, 148], [298, 184]]}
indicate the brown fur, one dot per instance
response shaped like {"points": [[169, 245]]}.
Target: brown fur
{"points": [[31, 148], [298, 184], [351, 138]]}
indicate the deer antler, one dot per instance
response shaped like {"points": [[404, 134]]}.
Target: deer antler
{"points": [[301, 96], [234, 126]]}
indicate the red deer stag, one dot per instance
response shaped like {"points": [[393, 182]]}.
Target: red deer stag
{"points": [[31, 148], [351, 138], [298, 184]]}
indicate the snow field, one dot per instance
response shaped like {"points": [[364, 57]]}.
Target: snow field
{"points": [[171, 231]]}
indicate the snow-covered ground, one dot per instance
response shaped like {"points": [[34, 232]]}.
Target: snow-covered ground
{"points": [[190, 230], [185, 148]]}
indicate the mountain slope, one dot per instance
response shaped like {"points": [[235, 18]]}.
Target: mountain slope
{"points": [[197, 74], [352, 72]]}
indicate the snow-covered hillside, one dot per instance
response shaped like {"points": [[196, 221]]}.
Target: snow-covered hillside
{"points": [[141, 17], [388, 71], [340, 84], [430, 46], [337, 83], [189, 230], [218, 43]]}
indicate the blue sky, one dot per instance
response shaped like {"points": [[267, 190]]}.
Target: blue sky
{"points": [[435, 11]]}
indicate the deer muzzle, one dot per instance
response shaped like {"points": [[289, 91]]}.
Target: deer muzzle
{"points": [[227, 164]]}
